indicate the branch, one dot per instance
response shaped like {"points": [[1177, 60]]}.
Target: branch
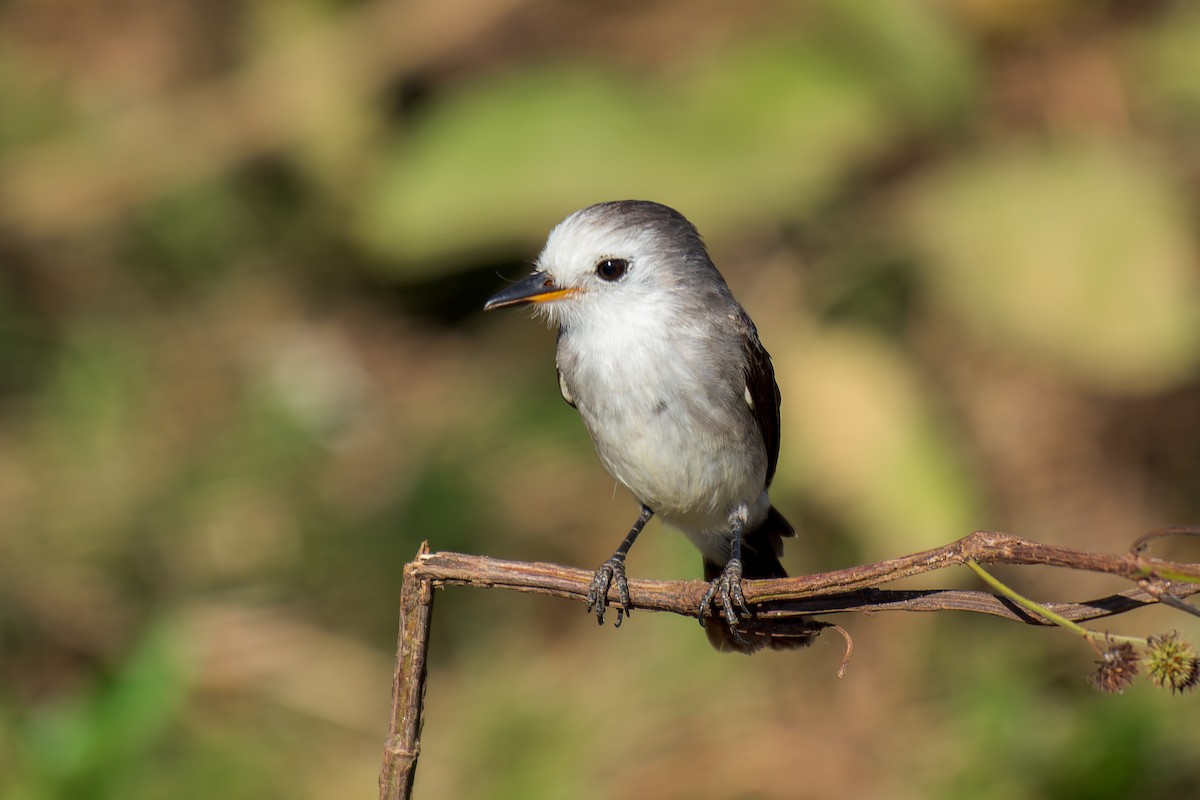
{"points": [[777, 603], [847, 589], [403, 744]]}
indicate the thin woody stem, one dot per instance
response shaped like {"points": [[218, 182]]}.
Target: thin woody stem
{"points": [[403, 744], [780, 602]]}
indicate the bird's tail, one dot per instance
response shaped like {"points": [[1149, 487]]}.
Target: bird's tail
{"points": [[761, 549]]}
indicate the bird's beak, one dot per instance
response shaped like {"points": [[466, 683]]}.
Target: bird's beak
{"points": [[537, 288]]}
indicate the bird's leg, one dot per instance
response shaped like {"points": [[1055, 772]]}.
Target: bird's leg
{"points": [[727, 587], [613, 571]]}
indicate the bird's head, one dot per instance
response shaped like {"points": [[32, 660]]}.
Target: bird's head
{"points": [[607, 261]]}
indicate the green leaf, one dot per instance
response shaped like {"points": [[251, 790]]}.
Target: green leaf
{"points": [[761, 129], [1077, 256]]}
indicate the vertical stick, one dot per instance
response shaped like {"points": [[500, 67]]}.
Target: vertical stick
{"points": [[403, 743]]}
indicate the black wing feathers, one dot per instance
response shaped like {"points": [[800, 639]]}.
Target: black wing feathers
{"points": [[764, 397]]}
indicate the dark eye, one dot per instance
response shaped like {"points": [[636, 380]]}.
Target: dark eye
{"points": [[610, 269]]}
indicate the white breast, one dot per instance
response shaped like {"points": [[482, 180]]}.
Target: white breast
{"points": [[668, 420]]}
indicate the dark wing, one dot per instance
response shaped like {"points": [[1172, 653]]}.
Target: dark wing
{"points": [[762, 395]]}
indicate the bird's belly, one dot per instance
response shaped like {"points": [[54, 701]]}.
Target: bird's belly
{"points": [[676, 462]]}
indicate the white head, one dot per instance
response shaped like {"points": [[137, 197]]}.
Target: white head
{"points": [[611, 260]]}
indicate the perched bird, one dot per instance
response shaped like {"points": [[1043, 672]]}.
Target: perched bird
{"points": [[668, 374]]}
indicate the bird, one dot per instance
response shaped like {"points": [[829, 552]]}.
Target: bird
{"points": [[667, 372]]}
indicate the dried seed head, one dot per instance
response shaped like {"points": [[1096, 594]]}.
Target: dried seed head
{"points": [[1116, 669], [1172, 663]]}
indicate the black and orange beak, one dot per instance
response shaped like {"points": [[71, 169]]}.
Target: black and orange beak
{"points": [[537, 288]]}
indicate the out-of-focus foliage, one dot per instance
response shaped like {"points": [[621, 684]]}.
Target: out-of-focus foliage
{"points": [[778, 121], [244, 373], [914, 485], [1080, 257]]}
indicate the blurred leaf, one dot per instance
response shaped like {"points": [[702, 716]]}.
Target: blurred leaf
{"points": [[328, 104], [1078, 256], [1168, 62], [872, 449], [87, 749], [759, 131], [909, 50]]}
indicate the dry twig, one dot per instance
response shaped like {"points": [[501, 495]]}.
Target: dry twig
{"points": [[776, 602]]}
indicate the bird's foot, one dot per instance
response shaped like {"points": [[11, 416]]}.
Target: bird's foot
{"points": [[727, 588], [610, 572]]}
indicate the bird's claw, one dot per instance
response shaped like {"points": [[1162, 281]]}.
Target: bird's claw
{"points": [[610, 572], [727, 587]]}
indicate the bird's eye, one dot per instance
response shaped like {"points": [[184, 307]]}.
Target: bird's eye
{"points": [[610, 269]]}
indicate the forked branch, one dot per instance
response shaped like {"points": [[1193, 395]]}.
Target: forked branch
{"points": [[777, 602]]}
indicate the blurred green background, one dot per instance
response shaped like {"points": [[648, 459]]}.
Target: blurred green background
{"points": [[244, 373]]}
